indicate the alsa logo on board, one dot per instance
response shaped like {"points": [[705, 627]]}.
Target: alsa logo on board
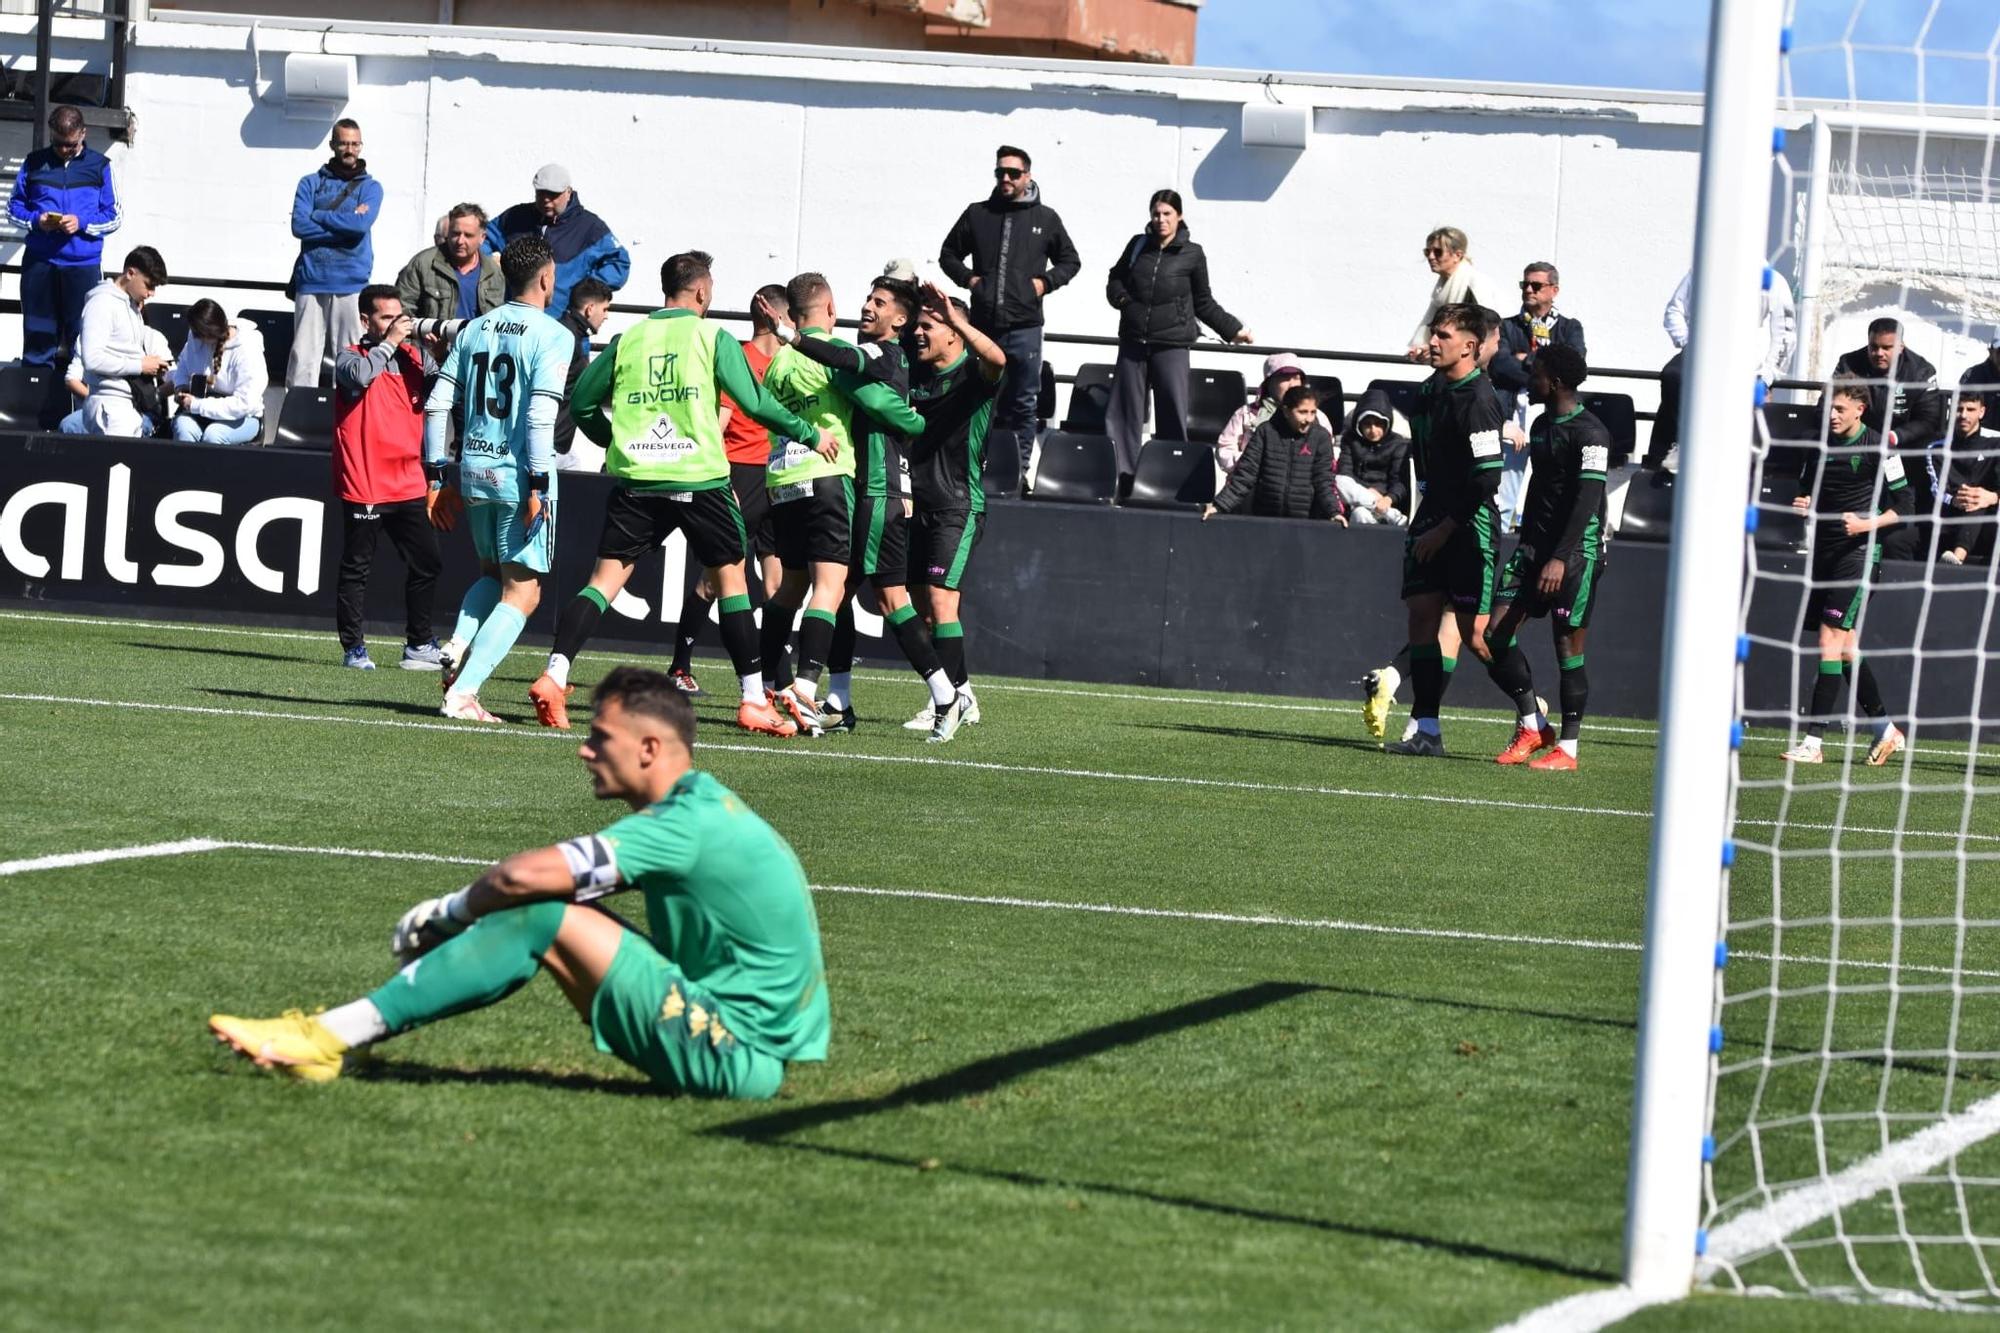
{"points": [[208, 559]]}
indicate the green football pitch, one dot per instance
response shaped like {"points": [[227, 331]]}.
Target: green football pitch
{"points": [[1150, 1009]]}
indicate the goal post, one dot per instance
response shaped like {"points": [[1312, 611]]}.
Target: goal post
{"points": [[1684, 891], [1816, 1100]]}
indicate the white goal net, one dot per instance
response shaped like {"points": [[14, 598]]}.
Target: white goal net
{"points": [[1854, 1112]]}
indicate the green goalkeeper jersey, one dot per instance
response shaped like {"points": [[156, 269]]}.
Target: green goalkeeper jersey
{"points": [[727, 903]]}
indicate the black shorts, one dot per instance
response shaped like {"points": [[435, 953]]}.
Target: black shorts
{"points": [[1841, 571], [637, 521], [1573, 602], [814, 528], [753, 497], [881, 551], [941, 543], [1463, 570]]}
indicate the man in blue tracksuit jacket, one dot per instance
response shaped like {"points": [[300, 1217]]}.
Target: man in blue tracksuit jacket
{"points": [[333, 211], [67, 200], [584, 247]]}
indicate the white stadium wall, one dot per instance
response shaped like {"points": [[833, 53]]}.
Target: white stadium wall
{"points": [[776, 159]]}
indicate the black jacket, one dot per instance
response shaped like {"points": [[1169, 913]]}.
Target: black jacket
{"points": [[566, 428], [1509, 367], [1282, 475], [1919, 412], [1384, 465], [1010, 243], [1983, 379], [1159, 293]]}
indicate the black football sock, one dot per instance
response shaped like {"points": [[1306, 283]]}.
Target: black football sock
{"points": [[914, 638], [694, 610], [739, 640], [1575, 694], [1510, 671], [1825, 697], [840, 657], [948, 638], [771, 644], [574, 628], [1866, 692], [1426, 681], [815, 638]]}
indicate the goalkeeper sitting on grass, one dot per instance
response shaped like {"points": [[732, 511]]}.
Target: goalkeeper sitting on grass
{"points": [[726, 987]]}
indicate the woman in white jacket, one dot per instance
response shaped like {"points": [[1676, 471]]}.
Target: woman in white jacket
{"points": [[219, 380], [1445, 250]]}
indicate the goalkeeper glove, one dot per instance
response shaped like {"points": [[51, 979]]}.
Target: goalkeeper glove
{"points": [[429, 924]]}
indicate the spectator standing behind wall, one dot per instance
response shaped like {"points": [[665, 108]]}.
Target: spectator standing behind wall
{"points": [[1009, 251], [1287, 468], [453, 279], [380, 385], [117, 369], [219, 380], [1983, 378], [1972, 486], [1780, 333], [589, 305], [333, 211], [1538, 325], [1447, 251], [66, 198], [581, 242], [1159, 287]]}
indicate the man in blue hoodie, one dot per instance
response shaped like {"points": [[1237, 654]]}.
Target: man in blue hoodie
{"points": [[584, 246], [65, 197], [333, 211]]}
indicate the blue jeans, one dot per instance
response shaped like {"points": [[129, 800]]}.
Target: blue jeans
{"points": [[189, 429], [52, 309], [1014, 411]]}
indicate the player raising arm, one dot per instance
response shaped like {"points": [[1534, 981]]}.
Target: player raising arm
{"points": [[726, 986], [650, 399]]}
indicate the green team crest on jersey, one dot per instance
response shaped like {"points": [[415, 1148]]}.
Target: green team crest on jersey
{"points": [[665, 425], [806, 387]]}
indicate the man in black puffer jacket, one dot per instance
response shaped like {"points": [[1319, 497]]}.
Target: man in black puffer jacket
{"points": [[1287, 467], [1009, 251]]}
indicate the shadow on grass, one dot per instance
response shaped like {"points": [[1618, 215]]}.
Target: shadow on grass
{"points": [[289, 659], [379, 1070], [1262, 734], [981, 1076], [377, 705]]}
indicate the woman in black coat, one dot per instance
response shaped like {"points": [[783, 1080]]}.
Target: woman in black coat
{"points": [[1159, 286]]}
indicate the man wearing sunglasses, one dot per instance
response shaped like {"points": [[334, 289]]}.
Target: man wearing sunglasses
{"points": [[1009, 250], [1521, 336]]}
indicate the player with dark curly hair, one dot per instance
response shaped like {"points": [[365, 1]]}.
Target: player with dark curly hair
{"points": [[1556, 569]]}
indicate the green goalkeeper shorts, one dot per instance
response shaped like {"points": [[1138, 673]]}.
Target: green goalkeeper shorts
{"points": [[648, 1014]]}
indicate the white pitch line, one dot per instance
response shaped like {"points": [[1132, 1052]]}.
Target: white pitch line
{"points": [[1757, 1233], [804, 751], [65, 860]]}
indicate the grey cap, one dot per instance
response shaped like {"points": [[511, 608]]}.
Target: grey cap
{"points": [[900, 270], [553, 178]]}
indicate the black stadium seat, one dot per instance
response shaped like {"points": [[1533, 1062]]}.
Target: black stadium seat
{"points": [[1332, 401], [1089, 398], [31, 398], [171, 320], [1076, 468], [1620, 419], [1213, 397], [1649, 508], [307, 419], [1002, 473], [276, 326], [1173, 474], [1402, 394], [1045, 397], [274, 408]]}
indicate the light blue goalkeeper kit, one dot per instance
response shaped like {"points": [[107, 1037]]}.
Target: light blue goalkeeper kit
{"points": [[504, 376]]}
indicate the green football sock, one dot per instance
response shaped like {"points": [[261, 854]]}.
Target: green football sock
{"points": [[495, 957]]}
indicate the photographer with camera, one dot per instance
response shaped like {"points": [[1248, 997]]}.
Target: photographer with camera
{"points": [[380, 385], [220, 379], [123, 376]]}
